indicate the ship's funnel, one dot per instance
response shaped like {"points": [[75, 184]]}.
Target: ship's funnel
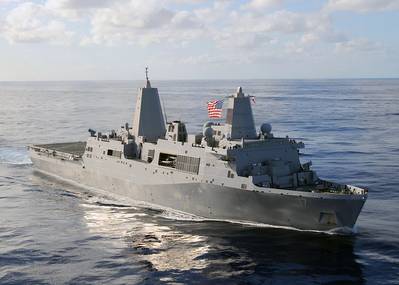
{"points": [[239, 118], [148, 119]]}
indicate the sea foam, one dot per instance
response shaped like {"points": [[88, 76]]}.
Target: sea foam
{"points": [[16, 156]]}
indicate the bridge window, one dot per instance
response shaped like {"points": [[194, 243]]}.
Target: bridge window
{"points": [[115, 153]]}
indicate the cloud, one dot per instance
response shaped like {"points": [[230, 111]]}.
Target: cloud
{"points": [[227, 28], [203, 58], [4, 2], [281, 21], [262, 4], [78, 4], [362, 5], [142, 23], [358, 45], [299, 31], [75, 9], [30, 22]]}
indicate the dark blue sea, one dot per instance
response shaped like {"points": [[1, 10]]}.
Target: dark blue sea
{"points": [[54, 233]]}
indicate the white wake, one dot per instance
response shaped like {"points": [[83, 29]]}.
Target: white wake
{"points": [[17, 156]]}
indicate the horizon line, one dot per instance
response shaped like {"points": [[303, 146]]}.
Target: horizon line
{"points": [[200, 79]]}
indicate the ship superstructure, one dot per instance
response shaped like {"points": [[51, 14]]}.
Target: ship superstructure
{"points": [[230, 171]]}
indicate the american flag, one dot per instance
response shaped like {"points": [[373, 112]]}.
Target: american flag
{"points": [[215, 108]]}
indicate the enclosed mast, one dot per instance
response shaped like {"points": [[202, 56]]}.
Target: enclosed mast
{"points": [[148, 121]]}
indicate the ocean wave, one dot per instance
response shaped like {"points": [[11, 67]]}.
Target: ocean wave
{"points": [[15, 156], [180, 216], [107, 202], [381, 257]]}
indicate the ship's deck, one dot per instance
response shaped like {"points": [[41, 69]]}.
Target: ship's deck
{"points": [[74, 148]]}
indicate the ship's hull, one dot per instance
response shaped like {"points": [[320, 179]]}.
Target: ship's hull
{"points": [[308, 212]]}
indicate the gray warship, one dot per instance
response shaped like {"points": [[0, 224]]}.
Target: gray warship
{"points": [[230, 171]]}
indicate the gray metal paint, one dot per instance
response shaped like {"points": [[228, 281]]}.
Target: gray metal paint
{"points": [[148, 118], [214, 201]]}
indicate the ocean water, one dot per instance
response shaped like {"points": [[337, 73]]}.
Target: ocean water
{"points": [[54, 233]]}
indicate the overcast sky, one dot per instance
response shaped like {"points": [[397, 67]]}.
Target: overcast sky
{"points": [[197, 39]]}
